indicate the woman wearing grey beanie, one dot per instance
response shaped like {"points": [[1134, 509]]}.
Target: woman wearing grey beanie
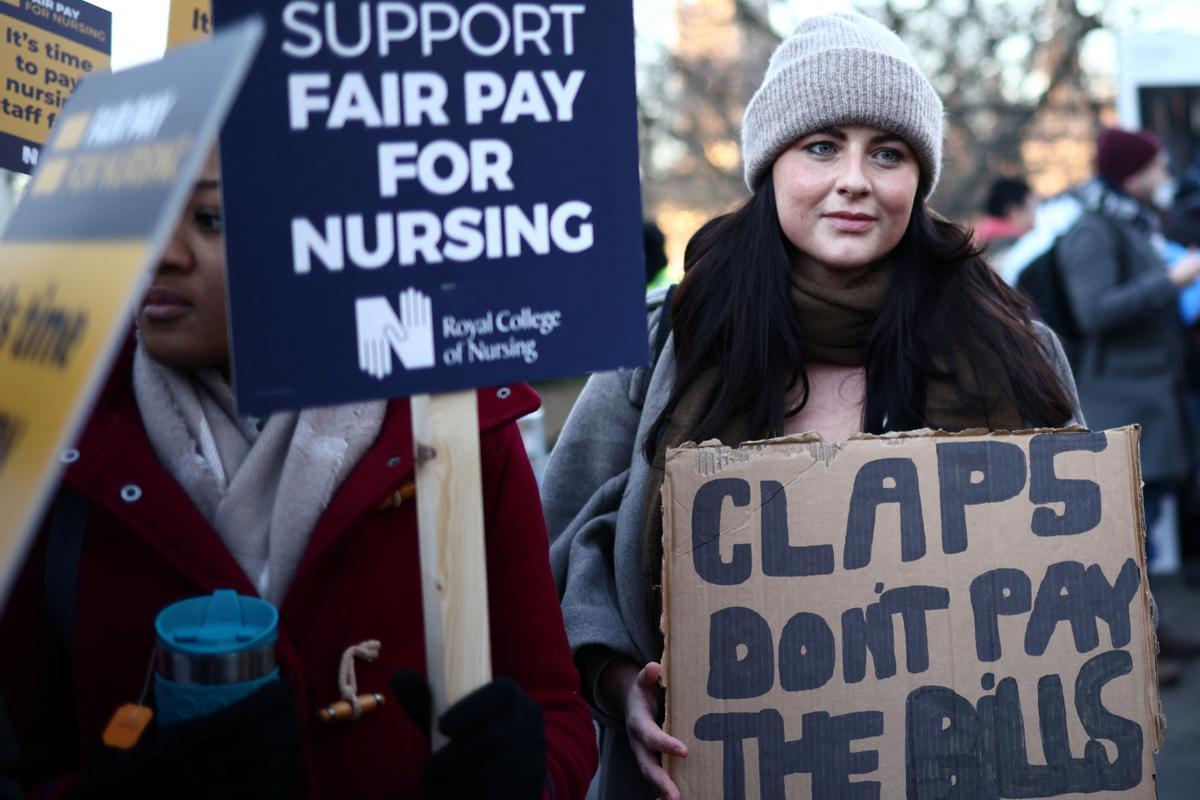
{"points": [[832, 300]]}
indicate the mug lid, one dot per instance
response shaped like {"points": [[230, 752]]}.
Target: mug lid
{"points": [[224, 622]]}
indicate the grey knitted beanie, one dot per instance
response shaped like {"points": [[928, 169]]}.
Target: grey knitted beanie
{"points": [[842, 69]]}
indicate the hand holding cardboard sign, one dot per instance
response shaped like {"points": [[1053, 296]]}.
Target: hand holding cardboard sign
{"points": [[646, 739]]}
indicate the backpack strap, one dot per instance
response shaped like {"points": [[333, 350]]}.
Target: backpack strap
{"points": [[1122, 241], [64, 549], [10, 757]]}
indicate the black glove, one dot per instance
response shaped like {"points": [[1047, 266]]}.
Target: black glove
{"points": [[250, 749], [497, 741]]}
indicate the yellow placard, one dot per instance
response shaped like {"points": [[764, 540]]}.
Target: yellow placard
{"points": [[59, 304], [38, 72], [190, 20], [77, 253]]}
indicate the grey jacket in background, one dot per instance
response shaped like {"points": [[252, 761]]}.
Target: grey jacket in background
{"points": [[1130, 364], [594, 491]]}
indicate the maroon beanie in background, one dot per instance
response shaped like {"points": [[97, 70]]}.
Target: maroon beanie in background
{"points": [[1121, 153]]}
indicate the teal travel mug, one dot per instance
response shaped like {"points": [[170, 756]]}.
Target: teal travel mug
{"points": [[212, 652]]}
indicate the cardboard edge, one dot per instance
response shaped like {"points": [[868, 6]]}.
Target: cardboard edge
{"points": [[1153, 698], [807, 437], [810, 437], [941, 432], [664, 620]]}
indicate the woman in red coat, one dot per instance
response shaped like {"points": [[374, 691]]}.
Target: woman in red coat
{"points": [[169, 494]]}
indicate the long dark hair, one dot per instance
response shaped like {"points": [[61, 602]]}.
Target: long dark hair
{"points": [[733, 312]]}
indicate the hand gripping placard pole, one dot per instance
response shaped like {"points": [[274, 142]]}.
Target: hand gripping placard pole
{"points": [[453, 565]]}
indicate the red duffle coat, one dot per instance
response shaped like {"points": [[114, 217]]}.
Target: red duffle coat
{"points": [[358, 580]]}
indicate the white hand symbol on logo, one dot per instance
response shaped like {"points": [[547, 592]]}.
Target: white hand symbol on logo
{"points": [[380, 332]]}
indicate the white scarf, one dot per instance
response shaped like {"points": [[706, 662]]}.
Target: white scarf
{"points": [[264, 491]]}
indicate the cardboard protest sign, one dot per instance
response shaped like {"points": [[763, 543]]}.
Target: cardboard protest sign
{"points": [[189, 20], [80, 247], [919, 616], [48, 47], [427, 196]]}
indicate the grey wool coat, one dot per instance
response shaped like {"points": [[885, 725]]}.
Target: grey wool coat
{"points": [[1130, 364], [596, 486]]}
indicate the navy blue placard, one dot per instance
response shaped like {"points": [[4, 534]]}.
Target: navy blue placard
{"points": [[17, 154], [537, 274]]}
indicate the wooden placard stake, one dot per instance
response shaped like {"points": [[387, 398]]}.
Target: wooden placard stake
{"points": [[453, 567]]}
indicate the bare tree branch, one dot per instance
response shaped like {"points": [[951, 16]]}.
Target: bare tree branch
{"points": [[747, 15], [994, 97]]}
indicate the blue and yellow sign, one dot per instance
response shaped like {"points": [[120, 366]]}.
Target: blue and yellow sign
{"points": [[189, 20], [78, 251], [48, 46]]}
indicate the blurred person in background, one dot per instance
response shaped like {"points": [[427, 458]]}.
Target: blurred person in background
{"points": [[656, 256], [833, 300], [1182, 224], [1011, 211], [1182, 229], [1125, 301]]}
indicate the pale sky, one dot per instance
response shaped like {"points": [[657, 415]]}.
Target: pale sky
{"points": [[140, 26], [139, 30], [1155, 15]]}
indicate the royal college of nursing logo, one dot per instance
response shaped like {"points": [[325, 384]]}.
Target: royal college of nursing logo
{"points": [[382, 333]]}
